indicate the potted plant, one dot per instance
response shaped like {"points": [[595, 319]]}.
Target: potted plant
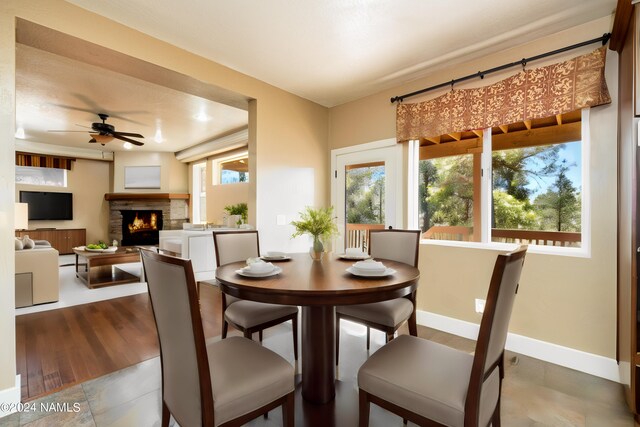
{"points": [[240, 209], [319, 224]]}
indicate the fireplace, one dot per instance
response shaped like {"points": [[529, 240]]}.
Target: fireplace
{"points": [[141, 227]]}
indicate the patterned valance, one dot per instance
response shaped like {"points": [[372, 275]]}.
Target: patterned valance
{"points": [[530, 94], [43, 161]]}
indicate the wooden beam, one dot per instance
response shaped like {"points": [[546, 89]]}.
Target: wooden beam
{"points": [[449, 149], [527, 124], [559, 119], [456, 135], [504, 128], [538, 136], [478, 133], [624, 10], [434, 139], [146, 196]]}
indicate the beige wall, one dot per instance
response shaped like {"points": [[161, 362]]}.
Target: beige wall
{"points": [[219, 196], [88, 181], [7, 199], [564, 300], [174, 175], [288, 135]]}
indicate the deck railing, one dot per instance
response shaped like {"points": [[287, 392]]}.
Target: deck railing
{"points": [[533, 237], [357, 235]]}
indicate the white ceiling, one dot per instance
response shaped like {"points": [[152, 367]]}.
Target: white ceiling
{"points": [[57, 93], [333, 51], [328, 51]]}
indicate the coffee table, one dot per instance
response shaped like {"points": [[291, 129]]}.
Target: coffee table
{"points": [[100, 269]]}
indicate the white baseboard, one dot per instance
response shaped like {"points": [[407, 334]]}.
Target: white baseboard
{"points": [[9, 399], [589, 363]]}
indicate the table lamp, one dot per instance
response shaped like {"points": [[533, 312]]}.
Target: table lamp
{"points": [[21, 216]]}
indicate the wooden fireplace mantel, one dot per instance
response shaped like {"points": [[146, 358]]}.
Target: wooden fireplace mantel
{"points": [[147, 196]]}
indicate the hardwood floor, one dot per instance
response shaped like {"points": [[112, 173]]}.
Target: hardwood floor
{"points": [[59, 348]]}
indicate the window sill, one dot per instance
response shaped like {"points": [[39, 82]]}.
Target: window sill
{"points": [[496, 246]]}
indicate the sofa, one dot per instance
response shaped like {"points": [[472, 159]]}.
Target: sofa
{"points": [[37, 280]]}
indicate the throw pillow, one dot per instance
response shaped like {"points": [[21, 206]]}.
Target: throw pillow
{"points": [[27, 243], [18, 244]]}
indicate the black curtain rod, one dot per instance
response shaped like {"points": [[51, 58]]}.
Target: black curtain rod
{"points": [[604, 39]]}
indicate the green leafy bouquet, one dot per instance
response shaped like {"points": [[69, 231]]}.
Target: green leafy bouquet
{"points": [[317, 223]]}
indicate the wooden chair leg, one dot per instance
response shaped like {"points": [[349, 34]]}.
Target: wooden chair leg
{"points": [[166, 415], [363, 408], [337, 339], [225, 328], [248, 334], [495, 419], [260, 336], [288, 410], [390, 336], [294, 330], [413, 326], [368, 338]]}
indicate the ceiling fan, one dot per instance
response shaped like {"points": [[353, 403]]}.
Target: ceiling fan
{"points": [[104, 132]]}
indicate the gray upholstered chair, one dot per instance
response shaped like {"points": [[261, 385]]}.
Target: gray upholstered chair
{"points": [[249, 316], [434, 385], [224, 383], [387, 316]]}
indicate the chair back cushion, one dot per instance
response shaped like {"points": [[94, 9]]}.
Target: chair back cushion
{"points": [[235, 246], [493, 331], [172, 294], [395, 245]]}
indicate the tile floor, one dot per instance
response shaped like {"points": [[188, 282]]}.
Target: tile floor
{"points": [[535, 393]]}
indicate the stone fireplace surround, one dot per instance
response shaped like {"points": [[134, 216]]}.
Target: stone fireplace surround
{"points": [[174, 207]]}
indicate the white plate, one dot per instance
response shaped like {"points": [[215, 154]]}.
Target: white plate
{"points": [[275, 258], [246, 273], [362, 273], [354, 257]]}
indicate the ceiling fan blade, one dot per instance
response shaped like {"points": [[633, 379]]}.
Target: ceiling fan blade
{"points": [[136, 135], [122, 138]]}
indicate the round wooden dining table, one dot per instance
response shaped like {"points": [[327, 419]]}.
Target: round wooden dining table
{"points": [[318, 286]]}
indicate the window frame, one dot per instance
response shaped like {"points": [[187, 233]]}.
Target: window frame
{"points": [[64, 172], [217, 168], [584, 251]]}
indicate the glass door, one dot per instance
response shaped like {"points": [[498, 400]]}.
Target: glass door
{"points": [[366, 194]]}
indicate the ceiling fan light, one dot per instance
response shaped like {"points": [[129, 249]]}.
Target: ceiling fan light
{"points": [[127, 146], [102, 139], [20, 133], [158, 137]]}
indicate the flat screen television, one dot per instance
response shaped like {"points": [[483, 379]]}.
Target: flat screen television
{"points": [[47, 205]]}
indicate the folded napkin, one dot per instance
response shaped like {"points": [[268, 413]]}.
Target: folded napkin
{"points": [[371, 266], [259, 267], [354, 252], [275, 254]]}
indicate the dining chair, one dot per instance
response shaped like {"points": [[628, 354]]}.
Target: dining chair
{"points": [[249, 316], [386, 316], [223, 383], [434, 385]]}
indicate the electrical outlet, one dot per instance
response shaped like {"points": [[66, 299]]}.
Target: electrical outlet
{"points": [[480, 305]]}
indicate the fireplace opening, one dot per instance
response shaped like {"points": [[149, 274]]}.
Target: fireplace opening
{"points": [[141, 227]]}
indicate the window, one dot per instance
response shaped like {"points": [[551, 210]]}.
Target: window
{"points": [[534, 196], [234, 171], [199, 180], [41, 176]]}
